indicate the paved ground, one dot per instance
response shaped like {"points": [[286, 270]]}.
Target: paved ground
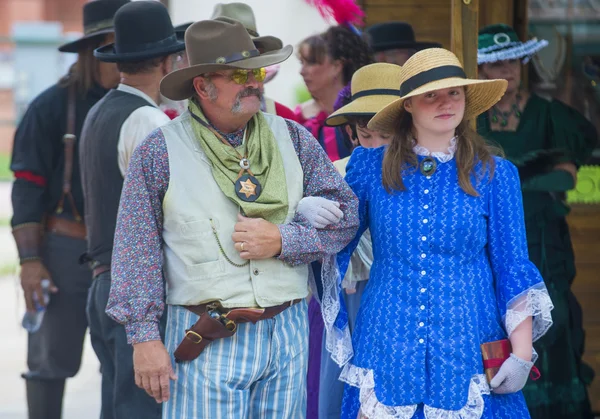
{"points": [[8, 251], [82, 398]]}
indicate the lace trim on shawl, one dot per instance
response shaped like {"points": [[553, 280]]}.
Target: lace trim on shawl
{"points": [[338, 341], [373, 408], [534, 302], [523, 51], [443, 157]]}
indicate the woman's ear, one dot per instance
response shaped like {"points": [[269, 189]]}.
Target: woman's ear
{"points": [[407, 105], [352, 135], [349, 131]]}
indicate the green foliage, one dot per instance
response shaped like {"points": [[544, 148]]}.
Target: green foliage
{"points": [[5, 173]]}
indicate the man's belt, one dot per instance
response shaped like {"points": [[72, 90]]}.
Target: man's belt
{"points": [[64, 227], [216, 322]]}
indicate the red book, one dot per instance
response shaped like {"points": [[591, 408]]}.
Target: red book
{"points": [[494, 354]]}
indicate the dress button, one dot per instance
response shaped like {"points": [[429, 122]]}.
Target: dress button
{"points": [[423, 255], [421, 324], [426, 191], [423, 290], [426, 206], [425, 221], [427, 177], [424, 238], [255, 271], [421, 341], [423, 273], [422, 307]]}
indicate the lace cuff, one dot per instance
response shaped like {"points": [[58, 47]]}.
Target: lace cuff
{"points": [[338, 341], [371, 407], [533, 302]]}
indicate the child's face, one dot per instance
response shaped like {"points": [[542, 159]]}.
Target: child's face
{"points": [[369, 138]]}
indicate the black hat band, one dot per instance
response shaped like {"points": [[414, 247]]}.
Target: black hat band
{"points": [[435, 74], [376, 92], [98, 26], [237, 56], [124, 49]]}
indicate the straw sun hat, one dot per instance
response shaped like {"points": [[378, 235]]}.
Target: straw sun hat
{"points": [[435, 69], [373, 87]]}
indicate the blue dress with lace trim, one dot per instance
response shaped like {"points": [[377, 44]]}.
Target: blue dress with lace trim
{"points": [[450, 272]]}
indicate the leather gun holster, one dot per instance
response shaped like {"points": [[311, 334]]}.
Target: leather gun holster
{"points": [[215, 322]]}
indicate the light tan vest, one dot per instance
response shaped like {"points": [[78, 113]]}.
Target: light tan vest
{"points": [[195, 268]]}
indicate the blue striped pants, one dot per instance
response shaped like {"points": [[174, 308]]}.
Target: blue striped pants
{"points": [[258, 373]]}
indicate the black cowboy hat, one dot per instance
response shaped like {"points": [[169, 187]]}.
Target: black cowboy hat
{"points": [[395, 35], [183, 27], [97, 20], [143, 30]]}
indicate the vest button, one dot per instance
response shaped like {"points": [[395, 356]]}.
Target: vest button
{"points": [[255, 271]]}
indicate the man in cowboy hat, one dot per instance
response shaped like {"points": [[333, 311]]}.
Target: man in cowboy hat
{"points": [[210, 200], [394, 42], [146, 48], [245, 15], [47, 202]]}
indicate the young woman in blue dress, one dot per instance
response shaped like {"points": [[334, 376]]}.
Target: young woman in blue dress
{"points": [[450, 267]]}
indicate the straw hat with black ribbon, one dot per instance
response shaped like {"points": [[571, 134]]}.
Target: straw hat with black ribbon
{"points": [[98, 20], [373, 87], [434, 69], [215, 45]]}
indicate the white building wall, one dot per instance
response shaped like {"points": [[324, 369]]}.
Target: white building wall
{"points": [[289, 20]]}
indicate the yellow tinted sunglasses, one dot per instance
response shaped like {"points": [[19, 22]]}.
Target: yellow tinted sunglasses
{"points": [[241, 76]]}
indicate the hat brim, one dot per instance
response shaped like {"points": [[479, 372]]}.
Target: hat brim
{"points": [[363, 106], [75, 46], [178, 85], [481, 95], [384, 46], [108, 54], [523, 50]]}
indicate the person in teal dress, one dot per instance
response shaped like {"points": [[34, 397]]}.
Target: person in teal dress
{"points": [[548, 141]]}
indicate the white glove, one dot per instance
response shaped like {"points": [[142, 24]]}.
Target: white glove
{"points": [[512, 375], [320, 212]]}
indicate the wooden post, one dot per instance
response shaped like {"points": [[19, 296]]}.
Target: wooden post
{"points": [[463, 31]]}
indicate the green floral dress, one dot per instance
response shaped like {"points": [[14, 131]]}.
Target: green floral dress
{"points": [[549, 133]]}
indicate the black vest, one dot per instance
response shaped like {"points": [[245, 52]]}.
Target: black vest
{"points": [[100, 174]]}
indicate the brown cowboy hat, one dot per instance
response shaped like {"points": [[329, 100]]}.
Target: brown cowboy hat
{"points": [[214, 45]]}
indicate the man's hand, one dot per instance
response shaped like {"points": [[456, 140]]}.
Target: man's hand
{"points": [[256, 238], [32, 273], [153, 369]]}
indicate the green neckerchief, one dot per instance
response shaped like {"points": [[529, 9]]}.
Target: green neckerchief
{"points": [[265, 160]]}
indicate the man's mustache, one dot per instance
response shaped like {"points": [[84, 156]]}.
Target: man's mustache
{"points": [[250, 91]]}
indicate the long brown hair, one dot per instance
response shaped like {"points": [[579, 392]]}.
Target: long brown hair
{"points": [[339, 43], [86, 70], [471, 149]]}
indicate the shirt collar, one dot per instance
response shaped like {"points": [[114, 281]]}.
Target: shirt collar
{"points": [[442, 156], [132, 90]]}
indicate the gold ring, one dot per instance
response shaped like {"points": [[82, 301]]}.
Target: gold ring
{"points": [[242, 246]]}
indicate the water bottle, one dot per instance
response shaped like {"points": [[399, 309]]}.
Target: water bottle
{"points": [[32, 321]]}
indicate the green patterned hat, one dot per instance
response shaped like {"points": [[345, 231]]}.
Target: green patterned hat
{"points": [[499, 42]]}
